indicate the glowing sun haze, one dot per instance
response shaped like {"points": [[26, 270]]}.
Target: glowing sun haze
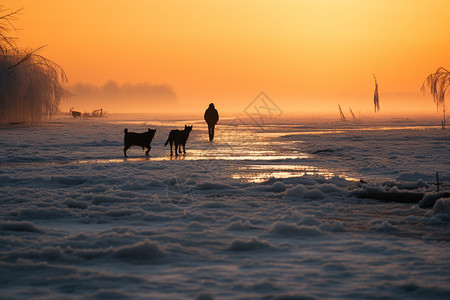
{"points": [[308, 56]]}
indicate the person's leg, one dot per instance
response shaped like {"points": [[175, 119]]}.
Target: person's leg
{"points": [[212, 132]]}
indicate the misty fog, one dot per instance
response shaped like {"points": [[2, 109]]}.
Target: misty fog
{"points": [[120, 97]]}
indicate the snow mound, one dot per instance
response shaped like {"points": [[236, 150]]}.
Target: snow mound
{"points": [[76, 204], [314, 195], [197, 226], [309, 220], [442, 206], [69, 180], [240, 226], [407, 185], [385, 226], [141, 251], [248, 245], [111, 294], [98, 188], [43, 213], [296, 192], [286, 229], [329, 188], [294, 297], [213, 186], [277, 187], [49, 253], [24, 226], [332, 227], [414, 176], [338, 227], [204, 296], [100, 199], [429, 199]]}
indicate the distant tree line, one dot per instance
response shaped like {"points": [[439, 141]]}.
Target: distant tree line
{"points": [[126, 90]]}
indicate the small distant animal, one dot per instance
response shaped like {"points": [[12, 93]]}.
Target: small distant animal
{"points": [[138, 139], [179, 138], [75, 113]]}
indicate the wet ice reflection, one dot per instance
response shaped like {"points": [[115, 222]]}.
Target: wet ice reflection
{"points": [[261, 172]]}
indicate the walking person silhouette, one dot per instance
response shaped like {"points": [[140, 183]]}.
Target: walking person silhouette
{"points": [[211, 118]]}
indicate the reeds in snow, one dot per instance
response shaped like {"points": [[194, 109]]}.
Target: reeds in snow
{"points": [[376, 99]]}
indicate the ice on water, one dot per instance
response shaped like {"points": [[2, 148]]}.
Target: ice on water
{"points": [[263, 212]]}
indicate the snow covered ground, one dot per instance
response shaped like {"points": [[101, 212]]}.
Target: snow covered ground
{"points": [[263, 212]]}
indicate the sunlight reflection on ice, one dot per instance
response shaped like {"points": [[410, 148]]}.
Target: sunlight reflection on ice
{"points": [[241, 154], [261, 173], [193, 156], [341, 130], [247, 152]]}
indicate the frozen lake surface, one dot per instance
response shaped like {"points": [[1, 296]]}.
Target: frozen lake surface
{"points": [[264, 212]]}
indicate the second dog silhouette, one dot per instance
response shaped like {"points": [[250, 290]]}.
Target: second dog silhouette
{"points": [[179, 138]]}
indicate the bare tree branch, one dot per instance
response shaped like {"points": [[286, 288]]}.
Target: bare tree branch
{"points": [[27, 56]]}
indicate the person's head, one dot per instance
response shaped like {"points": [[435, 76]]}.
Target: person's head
{"points": [[211, 105]]}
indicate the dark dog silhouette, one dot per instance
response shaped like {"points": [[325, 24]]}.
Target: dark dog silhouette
{"points": [[75, 113], [179, 138], [138, 139]]}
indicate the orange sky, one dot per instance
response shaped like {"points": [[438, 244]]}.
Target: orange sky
{"points": [[308, 56]]}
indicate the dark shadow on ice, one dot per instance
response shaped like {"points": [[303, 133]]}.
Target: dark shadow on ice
{"points": [[402, 197], [177, 157], [424, 200]]}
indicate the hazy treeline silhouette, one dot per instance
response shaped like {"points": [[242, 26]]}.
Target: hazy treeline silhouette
{"points": [[114, 89], [30, 84], [126, 97]]}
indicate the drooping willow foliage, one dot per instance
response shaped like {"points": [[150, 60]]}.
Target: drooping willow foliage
{"points": [[438, 83], [30, 84]]}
